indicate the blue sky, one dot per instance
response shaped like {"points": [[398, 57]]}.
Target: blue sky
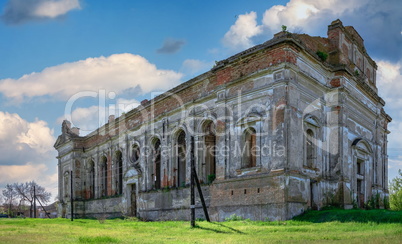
{"points": [[53, 49]]}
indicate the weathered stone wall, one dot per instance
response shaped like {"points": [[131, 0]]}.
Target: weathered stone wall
{"points": [[170, 204], [319, 124]]}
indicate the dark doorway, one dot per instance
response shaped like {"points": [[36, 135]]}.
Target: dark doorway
{"points": [[210, 152], [157, 164], [119, 173], [91, 180], [181, 159], [313, 195], [133, 209], [360, 193]]}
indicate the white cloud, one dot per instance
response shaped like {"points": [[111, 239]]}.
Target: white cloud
{"points": [[388, 72], [21, 173], [115, 73], [241, 33], [380, 18], [194, 66], [87, 119], [304, 13], [90, 118], [39, 173], [389, 77], [26, 151], [394, 164], [21, 140], [52, 9], [125, 105]]}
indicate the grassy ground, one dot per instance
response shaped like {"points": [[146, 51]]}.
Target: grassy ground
{"points": [[352, 226]]}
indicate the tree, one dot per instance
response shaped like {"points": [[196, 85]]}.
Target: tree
{"points": [[1, 205], [395, 192], [26, 193], [10, 195]]}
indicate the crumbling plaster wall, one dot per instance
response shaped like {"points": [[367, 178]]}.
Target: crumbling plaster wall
{"points": [[280, 91]]}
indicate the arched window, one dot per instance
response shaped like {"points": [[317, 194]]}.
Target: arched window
{"points": [[91, 179], [119, 172], [249, 149], [363, 159], [310, 149], [181, 158], [368, 74], [66, 184], [136, 153], [312, 142], [157, 163], [103, 176], [210, 152]]}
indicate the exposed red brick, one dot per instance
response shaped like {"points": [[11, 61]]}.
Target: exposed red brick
{"points": [[335, 82], [224, 75]]}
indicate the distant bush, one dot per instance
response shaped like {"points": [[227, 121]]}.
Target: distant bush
{"points": [[395, 192]]}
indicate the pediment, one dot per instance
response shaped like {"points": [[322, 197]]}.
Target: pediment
{"points": [[131, 173], [312, 120], [59, 142]]}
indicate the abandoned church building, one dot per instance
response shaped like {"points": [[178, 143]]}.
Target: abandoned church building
{"points": [[292, 124]]}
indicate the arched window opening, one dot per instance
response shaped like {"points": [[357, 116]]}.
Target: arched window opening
{"points": [[368, 74], [66, 184], [210, 152], [136, 153], [119, 172], [91, 180], [360, 182], [157, 163], [310, 148], [104, 175], [363, 158], [249, 150], [181, 158], [360, 166]]}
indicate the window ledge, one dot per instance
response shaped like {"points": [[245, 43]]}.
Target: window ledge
{"points": [[311, 168], [248, 171]]}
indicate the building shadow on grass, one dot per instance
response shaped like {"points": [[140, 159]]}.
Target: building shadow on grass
{"points": [[221, 228]]}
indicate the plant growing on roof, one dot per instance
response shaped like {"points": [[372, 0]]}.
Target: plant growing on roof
{"points": [[322, 55]]}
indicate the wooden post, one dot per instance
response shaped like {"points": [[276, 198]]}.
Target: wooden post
{"points": [[204, 206], [47, 214], [192, 204], [71, 196], [34, 203]]}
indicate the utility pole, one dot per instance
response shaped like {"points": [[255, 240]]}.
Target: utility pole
{"points": [[71, 196], [192, 204], [34, 203]]}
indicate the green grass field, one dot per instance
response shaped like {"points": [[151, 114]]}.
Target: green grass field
{"points": [[351, 226]]}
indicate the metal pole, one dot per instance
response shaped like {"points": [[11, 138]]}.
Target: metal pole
{"points": [[71, 196], [34, 203], [192, 206]]}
